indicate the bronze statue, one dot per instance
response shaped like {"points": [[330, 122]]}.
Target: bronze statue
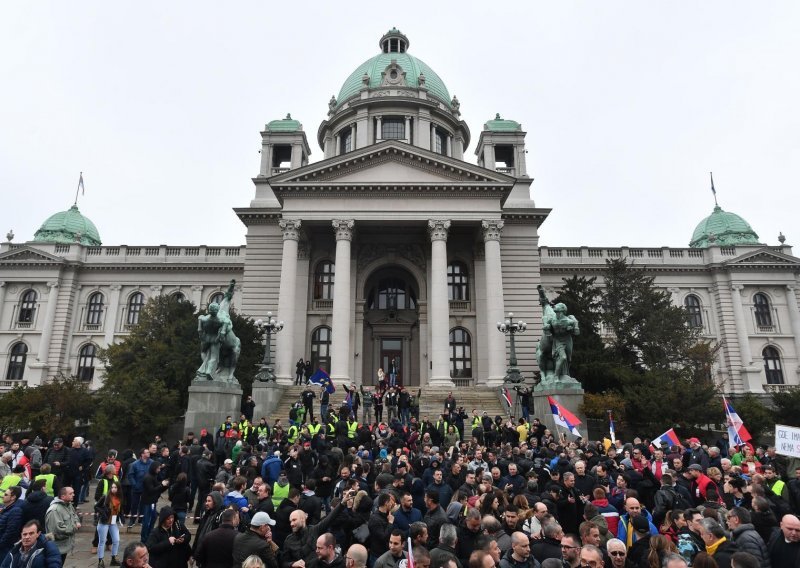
{"points": [[220, 347], [554, 351]]}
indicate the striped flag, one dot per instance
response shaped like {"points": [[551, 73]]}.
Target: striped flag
{"points": [[737, 433], [410, 563], [507, 397], [563, 417], [668, 438]]}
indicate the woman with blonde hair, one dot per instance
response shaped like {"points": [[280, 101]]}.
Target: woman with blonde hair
{"points": [[253, 561], [660, 546]]}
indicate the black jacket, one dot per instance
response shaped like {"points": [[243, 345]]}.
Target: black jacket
{"points": [[546, 548], [162, 553], [467, 541], [216, 548], [35, 506], [301, 545], [379, 530], [434, 520], [250, 543]]}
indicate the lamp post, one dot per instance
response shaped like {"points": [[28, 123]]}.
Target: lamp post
{"points": [[510, 327], [266, 371]]}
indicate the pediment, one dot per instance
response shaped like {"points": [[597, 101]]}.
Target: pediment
{"points": [[765, 257], [28, 255], [391, 163]]}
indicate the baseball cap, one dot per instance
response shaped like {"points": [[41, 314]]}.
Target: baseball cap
{"points": [[694, 441], [260, 519], [695, 467], [640, 524], [228, 461]]}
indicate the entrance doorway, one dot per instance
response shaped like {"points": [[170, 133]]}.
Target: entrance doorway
{"points": [[392, 355]]}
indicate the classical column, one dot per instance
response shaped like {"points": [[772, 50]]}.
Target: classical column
{"points": [[741, 325], [408, 130], [341, 350], [197, 297], [287, 295], [439, 312], [496, 341], [3, 289], [47, 326], [794, 316], [378, 125], [111, 314]]}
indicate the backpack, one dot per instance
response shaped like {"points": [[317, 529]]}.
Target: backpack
{"points": [[361, 534], [687, 547]]}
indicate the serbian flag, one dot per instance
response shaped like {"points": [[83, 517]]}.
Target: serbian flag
{"points": [[563, 417], [322, 379], [737, 433], [611, 430], [668, 438], [507, 397], [411, 563]]}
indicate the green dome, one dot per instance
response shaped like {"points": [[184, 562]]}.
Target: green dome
{"points": [[64, 227], [501, 124], [412, 66], [287, 124], [723, 229]]}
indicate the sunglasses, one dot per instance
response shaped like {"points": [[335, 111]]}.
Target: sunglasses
{"points": [[617, 553]]}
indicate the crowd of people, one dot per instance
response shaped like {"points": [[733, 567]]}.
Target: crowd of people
{"points": [[505, 493]]}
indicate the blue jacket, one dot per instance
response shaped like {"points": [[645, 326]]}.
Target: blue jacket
{"points": [[622, 530], [10, 526], [403, 519], [45, 555], [136, 473], [271, 469]]}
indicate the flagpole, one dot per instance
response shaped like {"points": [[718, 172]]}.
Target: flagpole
{"points": [[80, 185], [714, 191]]}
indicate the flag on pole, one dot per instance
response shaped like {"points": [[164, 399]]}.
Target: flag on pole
{"points": [[80, 184], [410, 563], [668, 438], [507, 397], [737, 433], [611, 429], [563, 417], [322, 379]]}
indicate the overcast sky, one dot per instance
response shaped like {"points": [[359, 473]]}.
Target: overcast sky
{"points": [[627, 106]]}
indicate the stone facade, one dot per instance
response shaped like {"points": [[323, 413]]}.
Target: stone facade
{"points": [[390, 247]]}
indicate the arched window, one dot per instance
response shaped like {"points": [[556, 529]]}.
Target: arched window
{"points": [[27, 307], [393, 128], [457, 281], [216, 298], [86, 362], [135, 305], [772, 365], [695, 314], [94, 315], [460, 354], [178, 297], [321, 348], [323, 280], [440, 141], [762, 309], [16, 362], [345, 140], [392, 294]]}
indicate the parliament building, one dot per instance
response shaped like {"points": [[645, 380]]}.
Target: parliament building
{"points": [[391, 246]]}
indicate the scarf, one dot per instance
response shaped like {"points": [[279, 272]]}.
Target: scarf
{"points": [[712, 548]]}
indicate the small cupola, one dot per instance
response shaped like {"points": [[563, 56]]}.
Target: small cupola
{"points": [[284, 146], [501, 147], [394, 41]]}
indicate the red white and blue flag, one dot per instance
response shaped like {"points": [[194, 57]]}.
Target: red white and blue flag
{"points": [[563, 417], [668, 439], [737, 433], [410, 563], [322, 379], [507, 397]]}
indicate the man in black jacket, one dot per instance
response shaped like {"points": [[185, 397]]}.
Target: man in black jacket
{"points": [[216, 547], [327, 557], [203, 476], [381, 524], [435, 517], [257, 540], [301, 544]]}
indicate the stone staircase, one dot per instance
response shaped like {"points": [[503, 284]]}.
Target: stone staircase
{"points": [[431, 402]]}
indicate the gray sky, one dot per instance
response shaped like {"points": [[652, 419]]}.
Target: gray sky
{"points": [[627, 106]]}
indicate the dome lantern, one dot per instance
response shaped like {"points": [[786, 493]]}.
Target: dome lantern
{"points": [[394, 41]]}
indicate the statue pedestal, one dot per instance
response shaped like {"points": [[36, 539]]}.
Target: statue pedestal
{"points": [[266, 396], [209, 403], [568, 395]]}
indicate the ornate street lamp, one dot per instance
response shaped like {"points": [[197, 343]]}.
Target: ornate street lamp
{"points": [[266, 371], [510, 327]]}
